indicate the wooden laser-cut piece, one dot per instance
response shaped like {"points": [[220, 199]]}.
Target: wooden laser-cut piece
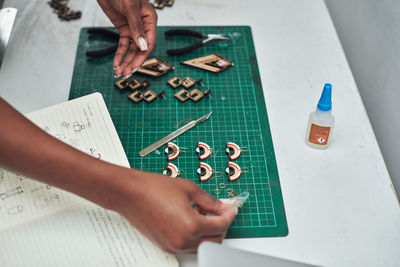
{"points": [[136, 96], [145, 84], [149, 96], [134, 85], [182, 95], [168, 2], [174, 82], [203, 150], [171, 170], [233, 171], [188, 82], [155, 67], [160, 4], [121, 84], [172, 151], [195, 95], [213, 63], [204, 171]]}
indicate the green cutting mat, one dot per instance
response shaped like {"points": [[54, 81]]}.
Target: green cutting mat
{"points": [[239, 116]]}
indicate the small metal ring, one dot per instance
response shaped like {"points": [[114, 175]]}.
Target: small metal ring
{"points": [[217, 174], [221, 185], [231, 196], [217, 191], [229, 190], [214, 154]]}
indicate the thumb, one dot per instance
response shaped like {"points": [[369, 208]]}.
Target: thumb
{"points": [[206, 202], [218, 224], [136, 27]]}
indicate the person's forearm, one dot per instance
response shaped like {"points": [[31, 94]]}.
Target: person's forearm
{"points": [[158, 206], [28, 150]]}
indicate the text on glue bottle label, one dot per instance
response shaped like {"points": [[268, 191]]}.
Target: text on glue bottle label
{"points": [[319, 135]]}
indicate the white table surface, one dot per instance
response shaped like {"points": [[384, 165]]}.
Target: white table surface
{"points": [[340, 206]]}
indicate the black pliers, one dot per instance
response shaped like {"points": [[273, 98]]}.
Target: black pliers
{"points": [[105, 51], [205, 38]]}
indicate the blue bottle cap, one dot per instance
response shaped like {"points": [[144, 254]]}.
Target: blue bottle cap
{"points": [[325, 102]]}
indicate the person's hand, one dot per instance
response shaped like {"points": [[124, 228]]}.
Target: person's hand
{"points": [[162, 208], [136, 22]]}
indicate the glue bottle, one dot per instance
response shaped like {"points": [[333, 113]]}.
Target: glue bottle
{"points": [[321, 121]]}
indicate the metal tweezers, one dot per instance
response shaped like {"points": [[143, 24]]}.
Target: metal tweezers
{"points": [[205, 38]]}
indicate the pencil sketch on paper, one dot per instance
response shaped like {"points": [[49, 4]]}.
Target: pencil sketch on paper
{"points": [[78, 127], [48, 187], [65, 124], [11, 192], [15, 210], [42, 200], [94, 153]]}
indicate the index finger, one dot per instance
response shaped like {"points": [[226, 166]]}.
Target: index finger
{"points": [[138, 60], [149, 17]]}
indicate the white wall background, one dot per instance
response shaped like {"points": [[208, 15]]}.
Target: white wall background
{"points": [[369, 31]]}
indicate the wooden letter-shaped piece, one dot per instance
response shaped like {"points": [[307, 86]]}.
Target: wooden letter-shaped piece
{"points": [[195, 95], [188, 82], [213, 63], [182, 95], [149, 96], [174, 82], [155, 67], [134, 85], [136, 96], [121, 84]]}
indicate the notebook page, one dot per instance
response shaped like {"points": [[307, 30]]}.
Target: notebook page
{"points": [[83, 235], [83, 123], [55, 227]]}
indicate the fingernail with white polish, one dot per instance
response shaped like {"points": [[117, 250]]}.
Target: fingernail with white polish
{"points": [[115, 68], [117, 76], [142, 44], [127, 76], [134, 70]]}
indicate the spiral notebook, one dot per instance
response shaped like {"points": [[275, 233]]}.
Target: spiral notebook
{"points": [[41, 225]]}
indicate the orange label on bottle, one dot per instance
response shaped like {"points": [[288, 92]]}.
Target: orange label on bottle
{"points": [[319, 135]]}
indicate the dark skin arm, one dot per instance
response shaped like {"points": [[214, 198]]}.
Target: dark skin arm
{"points": [[158, 206]]}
